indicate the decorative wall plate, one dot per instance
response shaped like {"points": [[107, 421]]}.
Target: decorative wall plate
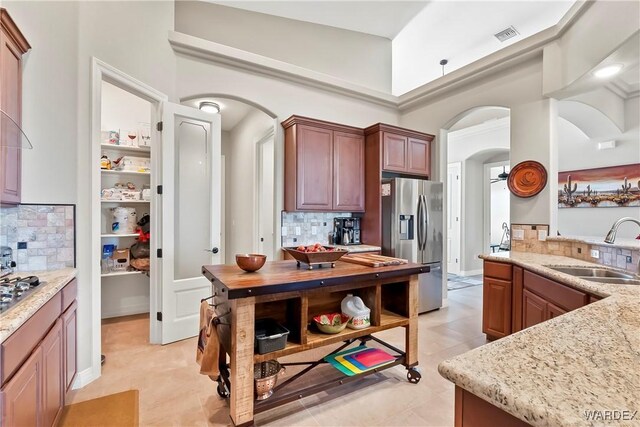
{"points": [[526, 179]]}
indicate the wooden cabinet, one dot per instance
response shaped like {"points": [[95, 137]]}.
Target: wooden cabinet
{"points": [[22, 396], [496, 299], [38, 363], [12, 46], [394, 152], [70, 339], [403, 151], [534, 309], [324, 166], [348, 172], [52, 375], [514, 299]]}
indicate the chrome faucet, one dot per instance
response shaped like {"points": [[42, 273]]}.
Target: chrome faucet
{"points": [[611, 235]]}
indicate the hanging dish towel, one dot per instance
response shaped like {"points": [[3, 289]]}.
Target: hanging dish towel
{"points": [[208, 343]]}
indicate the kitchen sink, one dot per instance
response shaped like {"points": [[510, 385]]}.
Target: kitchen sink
{"points": [[613, 280], [593, 272]]}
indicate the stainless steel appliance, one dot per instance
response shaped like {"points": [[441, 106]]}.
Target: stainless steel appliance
{"points": [[346, 231], [7, 264], [15, 289], [412, 221]]}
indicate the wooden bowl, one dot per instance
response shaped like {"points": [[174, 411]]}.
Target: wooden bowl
{"points": [[331, 255], [250, 262]]}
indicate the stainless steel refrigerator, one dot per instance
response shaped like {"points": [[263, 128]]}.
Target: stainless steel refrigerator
{"points": [[412, 221]]}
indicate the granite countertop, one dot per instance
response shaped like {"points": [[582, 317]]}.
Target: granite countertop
{"points": [[359, 248], [551, 373], [12, 319], [621, 243]]}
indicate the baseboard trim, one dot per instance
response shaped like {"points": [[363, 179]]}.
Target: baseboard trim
{"points": [[85, 377], [470, 273], [126, 311]]}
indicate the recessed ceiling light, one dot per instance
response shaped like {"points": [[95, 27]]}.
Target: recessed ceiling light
{"points": [[608, 71], [209, 107]]}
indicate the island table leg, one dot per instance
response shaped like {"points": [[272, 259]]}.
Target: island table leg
{"points": [[411, 333], [241, 360]]}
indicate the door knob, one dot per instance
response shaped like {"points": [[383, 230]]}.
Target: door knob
{"points": [[213, 250]]}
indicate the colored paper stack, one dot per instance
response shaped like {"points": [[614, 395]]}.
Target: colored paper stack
{"points": [[359, 359]]}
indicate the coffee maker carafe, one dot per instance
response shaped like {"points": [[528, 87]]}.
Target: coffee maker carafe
{"points": [[346, 231]]}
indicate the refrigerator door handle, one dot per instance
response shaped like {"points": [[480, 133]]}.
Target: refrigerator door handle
{"points": [[426, 222], [419, 223], [422, 222]]}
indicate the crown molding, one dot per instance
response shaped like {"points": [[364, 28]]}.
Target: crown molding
{"points": [[503, 59], [240, 59]]}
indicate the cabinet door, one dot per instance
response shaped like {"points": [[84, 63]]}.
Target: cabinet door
{"points": [[534, 309], [69, 334], [418, 157], [315, 169], [496, 310], [394, 152], [554, 311], [348, 167], [52, 375], [21, 396], [10, 103]]}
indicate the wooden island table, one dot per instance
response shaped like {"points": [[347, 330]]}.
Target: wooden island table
{"points": [[293, 296]]}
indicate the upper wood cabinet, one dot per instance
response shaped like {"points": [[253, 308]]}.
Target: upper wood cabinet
{"points": [[12, 46], [403, 151], [324, 166]]}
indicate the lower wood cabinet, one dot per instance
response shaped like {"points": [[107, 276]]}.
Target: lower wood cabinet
{"points": [[34, 394], [534, 309], [515, 298], [52, 375], [22, 396]]}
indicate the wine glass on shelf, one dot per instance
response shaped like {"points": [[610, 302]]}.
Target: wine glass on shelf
{"points": [[132, 135]]}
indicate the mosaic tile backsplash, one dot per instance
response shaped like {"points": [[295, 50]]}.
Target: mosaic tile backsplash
{"points": [[44, 233], [305, 228]]}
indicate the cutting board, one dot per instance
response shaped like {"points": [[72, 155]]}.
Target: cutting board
{"points": [[373, 260]]}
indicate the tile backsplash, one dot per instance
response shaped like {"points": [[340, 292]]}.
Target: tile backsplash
{"points": [[306, 228], [44, 233]]}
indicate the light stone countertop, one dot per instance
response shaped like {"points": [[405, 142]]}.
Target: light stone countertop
{"points": [[15, 317], [620, 243], [359, 248], [550, 373]]}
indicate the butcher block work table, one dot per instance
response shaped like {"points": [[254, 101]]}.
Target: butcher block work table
{"points": [[293, 296]]}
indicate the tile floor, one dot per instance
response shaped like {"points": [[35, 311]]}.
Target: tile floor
{"points": [[461, 282], [172, 393]]}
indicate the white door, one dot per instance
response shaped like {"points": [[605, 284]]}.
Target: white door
{"points": [[191, 215], [453, 217], [265, 195]]}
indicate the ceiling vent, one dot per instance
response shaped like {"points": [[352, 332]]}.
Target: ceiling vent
{"points": [[506, 34]]}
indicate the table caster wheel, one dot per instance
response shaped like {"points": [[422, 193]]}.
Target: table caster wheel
{"points": [[298, 263], [413, 376], [222, 391], [333, 265]]}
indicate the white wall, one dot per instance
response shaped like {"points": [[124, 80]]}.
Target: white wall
{"points": [[353, 56], [122, 110], [49, 99], [240, 186]]}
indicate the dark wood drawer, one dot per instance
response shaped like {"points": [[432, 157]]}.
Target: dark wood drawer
{"points": [[560, 295], [17, 348], [497, 270], [69, 294]]}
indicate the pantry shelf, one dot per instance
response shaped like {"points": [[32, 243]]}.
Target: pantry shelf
{"points": [[121, 273], [142, 150], [110, 235], [125, 201], [120, 172]]}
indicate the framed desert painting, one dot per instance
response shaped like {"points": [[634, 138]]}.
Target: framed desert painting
{"points": [[613, 186]]}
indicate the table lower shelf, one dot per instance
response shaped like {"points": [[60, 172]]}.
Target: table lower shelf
{"points": [[388, 320]]}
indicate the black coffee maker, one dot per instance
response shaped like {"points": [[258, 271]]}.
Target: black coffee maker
{"points": [[346, 231]]}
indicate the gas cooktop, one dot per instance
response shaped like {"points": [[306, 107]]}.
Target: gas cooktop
{"points": [[15, 289]]}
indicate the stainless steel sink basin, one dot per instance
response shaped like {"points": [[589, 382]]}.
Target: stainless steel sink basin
{"points": [[595, 272], [613, 280]]}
